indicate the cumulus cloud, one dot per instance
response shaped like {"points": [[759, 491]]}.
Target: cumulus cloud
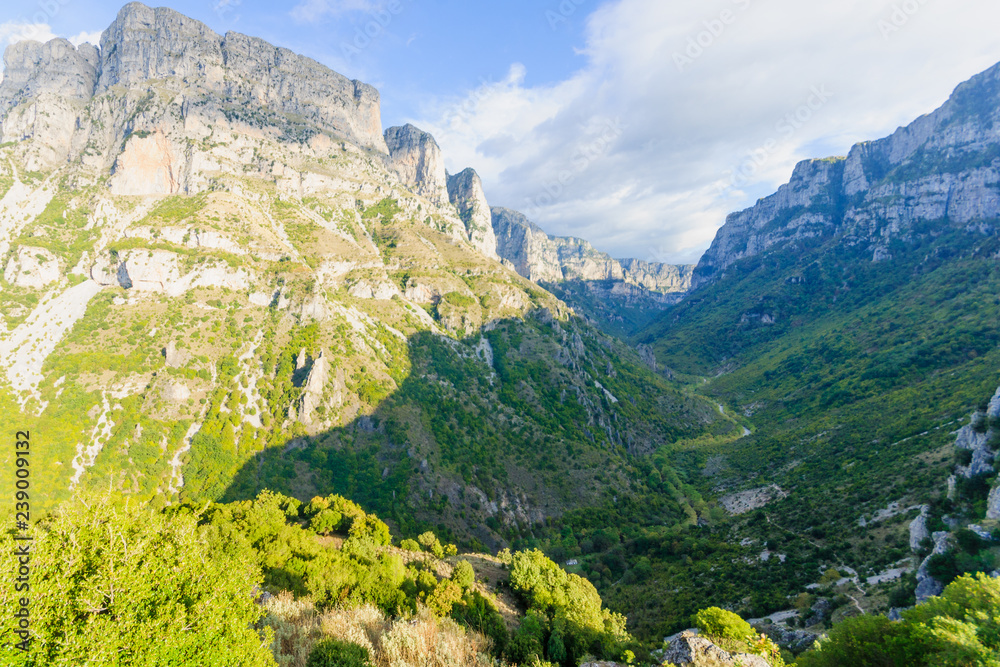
{"points": [[93, 37], [18, 31], [685, 111]]}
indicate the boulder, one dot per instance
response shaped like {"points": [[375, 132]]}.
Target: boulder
{"points": [[690, 650]]}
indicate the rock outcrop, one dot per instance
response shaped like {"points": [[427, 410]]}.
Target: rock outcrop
{"points": [[416, 158], [918, 528], [465, 190], [927, 585], [690, 650], [32, 267], [312, 391], [932, 172]]}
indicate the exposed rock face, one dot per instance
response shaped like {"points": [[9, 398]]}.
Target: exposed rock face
{"points": [[145, 43], [657, 277], [993, 411], [175, 357], [465, 190], [918, 528], [32, 267], [147, 166], [208, 79], [312, 394], [42, 95], [747, 501], [993, 504], [690, 650], [543, 258], [416, 158], [160, 271], [176, 392], [928, 586], [930, 172]]}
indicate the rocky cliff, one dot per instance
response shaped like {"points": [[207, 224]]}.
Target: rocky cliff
{"points": [[543, 258], [81, 103], [941, 170], [416, 158], [218, 275], [465, 189]]}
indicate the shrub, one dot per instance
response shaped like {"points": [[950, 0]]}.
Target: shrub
{"points": [[409, 545], [463, 574], [335, 653], [326, 521], [121, 585], [723, 624]]}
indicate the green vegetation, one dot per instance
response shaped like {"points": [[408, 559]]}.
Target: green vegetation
{"points": [[957, 629], [121, 585], [335, 653], [117, 583], [565, 619]]}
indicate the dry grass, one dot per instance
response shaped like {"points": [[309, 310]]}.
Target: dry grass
{"points": [[420, 641]]}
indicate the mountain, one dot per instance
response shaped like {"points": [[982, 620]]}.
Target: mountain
{"points": [[220, 275], [852, 319], [621, 296]]}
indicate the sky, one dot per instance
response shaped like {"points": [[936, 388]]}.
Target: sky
{"points": [[635, 124]]}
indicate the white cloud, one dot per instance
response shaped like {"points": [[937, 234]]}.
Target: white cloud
{"points": [[309, 11], [86, 37], [705, 131], [18, 31]]}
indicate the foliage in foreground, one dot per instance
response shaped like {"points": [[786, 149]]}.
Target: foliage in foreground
{"points": [[119, 585], [301, 631], [116, 585], [959, 628]]}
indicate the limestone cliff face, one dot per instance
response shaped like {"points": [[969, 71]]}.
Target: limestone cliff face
{"points": [[416, 157], [43, 94], [543, 258], [465, 190], [159, 71], [941, 170], [145, 43]]}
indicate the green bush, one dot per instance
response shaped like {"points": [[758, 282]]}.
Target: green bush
{"points": [[959, 628], [716, 622], [463, 574], [128, 586], [335, 653], [410, 545]]}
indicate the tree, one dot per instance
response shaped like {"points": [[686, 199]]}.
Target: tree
{"points": [[464, 575], [722, 624], [119, 585]]}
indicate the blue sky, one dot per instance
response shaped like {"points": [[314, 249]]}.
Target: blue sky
{"points": [[636, 124]]}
